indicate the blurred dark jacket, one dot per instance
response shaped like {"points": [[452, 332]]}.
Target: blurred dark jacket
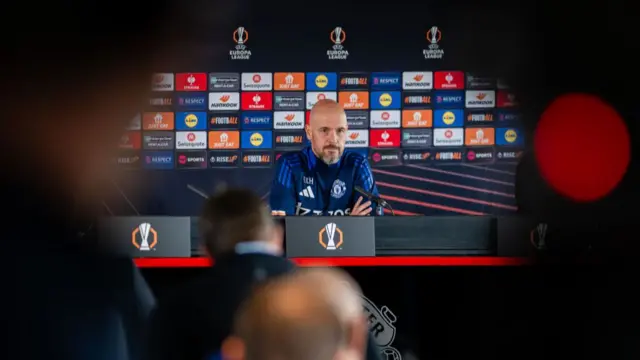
{"points": [[72, 300]]}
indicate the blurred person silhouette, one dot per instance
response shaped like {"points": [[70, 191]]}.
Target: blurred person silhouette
{"points": [[238, 232], [314, 314], [75, 81]]}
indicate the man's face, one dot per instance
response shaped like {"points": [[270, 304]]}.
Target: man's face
{"points": [[327, 131]]}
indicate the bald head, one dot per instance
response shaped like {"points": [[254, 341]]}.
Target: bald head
{"points": [[327, 130], [308, 315]]}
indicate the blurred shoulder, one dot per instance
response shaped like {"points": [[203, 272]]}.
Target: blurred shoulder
{"points": [[354, 158]]}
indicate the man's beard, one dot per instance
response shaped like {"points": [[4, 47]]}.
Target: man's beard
{"points": [[331, 159]]}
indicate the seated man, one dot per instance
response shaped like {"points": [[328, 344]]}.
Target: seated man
{"points": [[320, 179]]}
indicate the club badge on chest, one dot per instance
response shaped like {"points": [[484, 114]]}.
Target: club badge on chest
{"points": [[338, 189]]}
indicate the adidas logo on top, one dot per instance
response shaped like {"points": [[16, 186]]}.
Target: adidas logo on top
{"points": [[307, 192]]}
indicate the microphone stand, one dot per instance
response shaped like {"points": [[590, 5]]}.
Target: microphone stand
{"points": [[382, 204]]}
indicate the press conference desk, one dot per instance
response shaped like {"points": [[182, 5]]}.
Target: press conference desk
{"points": [[405, 241]]}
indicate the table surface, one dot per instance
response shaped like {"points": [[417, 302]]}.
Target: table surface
{"points": [[354, 261]]}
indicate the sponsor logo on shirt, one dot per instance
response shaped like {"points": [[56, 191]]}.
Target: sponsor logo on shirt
{"points": [[224, 101], [449, 80], [158, 140], [191, 82], [224, 82], [191, 159], [288, 81], [448, 137], [257, 81], [418, 118], [385, 119], [357, 139], [386, 81], [223, 159], [384, 137], [162, 82], [417, 80], [224, 140]]}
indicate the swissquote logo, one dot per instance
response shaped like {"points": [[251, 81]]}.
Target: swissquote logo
{"points": [[307, 192], [144, 237], [331, 237]]}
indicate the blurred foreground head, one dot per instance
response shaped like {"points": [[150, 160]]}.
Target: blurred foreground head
{"points": [[313, 315], [235, 216], [77, 79]]}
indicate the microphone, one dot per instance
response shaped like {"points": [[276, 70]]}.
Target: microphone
{"points": [[376, 199]]}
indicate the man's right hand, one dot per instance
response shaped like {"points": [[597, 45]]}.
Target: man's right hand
{"points": [[360, 208]]}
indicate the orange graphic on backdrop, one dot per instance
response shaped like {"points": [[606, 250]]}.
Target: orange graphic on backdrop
{"points": [[354, 100], [479, 136], [158, 121], [417, 118], [288, 81], [219, 140]]}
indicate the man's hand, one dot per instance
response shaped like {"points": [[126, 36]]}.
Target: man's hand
{"points": [[361, 209]]}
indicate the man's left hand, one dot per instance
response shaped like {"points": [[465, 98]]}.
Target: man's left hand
{"points": [[360, 208]]}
